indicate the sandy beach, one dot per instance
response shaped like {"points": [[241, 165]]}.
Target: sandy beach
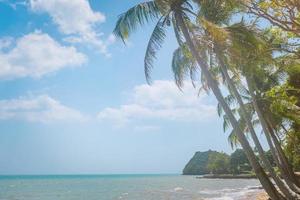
{"points": [[256, 196], [262, 196]]}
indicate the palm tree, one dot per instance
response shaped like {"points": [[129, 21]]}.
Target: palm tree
{"points": [[277, 153], [218, 50], [271, 120], [212, 29], [211, 21], [177, 12], [275, 147], [257, 103]]}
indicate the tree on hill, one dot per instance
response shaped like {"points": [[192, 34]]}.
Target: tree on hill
{"points": [[219, 163], [198, 163]]}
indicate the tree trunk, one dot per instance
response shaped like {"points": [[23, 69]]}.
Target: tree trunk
{"points": [[262, 176], [245, 115], [285, 161], [290, 185]]}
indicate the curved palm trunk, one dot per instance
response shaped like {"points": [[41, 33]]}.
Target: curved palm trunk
{"points": [[278, 159], [276, 155], [289, 184], [262, 176], [285, 161], [245, 115]]}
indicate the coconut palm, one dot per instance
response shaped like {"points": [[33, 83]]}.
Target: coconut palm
{"points": [[220, 46], [213, 30], [260, 79], [258, 72], [246, 116], [178, 14], [275, 147]]}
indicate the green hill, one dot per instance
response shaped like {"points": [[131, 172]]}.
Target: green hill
{"points": [[208, 162], [198, 164]]}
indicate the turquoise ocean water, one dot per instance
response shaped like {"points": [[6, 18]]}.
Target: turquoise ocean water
{"points": [[125, 187]]}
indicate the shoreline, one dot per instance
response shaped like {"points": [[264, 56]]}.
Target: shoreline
{"points": [[255, 195], [261, 195], [227, 176]]}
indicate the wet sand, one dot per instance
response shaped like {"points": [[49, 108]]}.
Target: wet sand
{"points": [[262, 196]]}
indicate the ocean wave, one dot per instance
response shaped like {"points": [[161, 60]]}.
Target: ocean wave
{"points": [[177, 189], [230, 194]]}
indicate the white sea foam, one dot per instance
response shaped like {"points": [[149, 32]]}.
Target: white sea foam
{"points": [[230, 194], [177, 189]]}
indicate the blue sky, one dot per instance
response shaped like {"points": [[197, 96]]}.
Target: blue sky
{"points": [[73, 99]]}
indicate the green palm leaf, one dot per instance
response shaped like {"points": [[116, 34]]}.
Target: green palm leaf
{"points": [[183, 64], [157, 37], [232, 137], [134, 17]]}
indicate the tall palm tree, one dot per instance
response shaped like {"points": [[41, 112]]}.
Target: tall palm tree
{"points": [[260, 79], [263, 80], [275, 148], [262, 56], [211, 21], [177, 12], [219, 50], [207, 13]]}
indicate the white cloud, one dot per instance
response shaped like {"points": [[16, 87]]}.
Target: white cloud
{"points": [[35, 55], [76, 19], [38, 109], [163, 101]]}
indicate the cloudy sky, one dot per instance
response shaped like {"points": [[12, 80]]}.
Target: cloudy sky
{"points": [[73, 99]]}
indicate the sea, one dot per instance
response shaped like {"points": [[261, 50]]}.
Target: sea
{"points": [[125, 187]]}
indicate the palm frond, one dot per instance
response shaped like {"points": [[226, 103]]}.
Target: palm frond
{"points": [[157, 37], [216, 11], [230, 100], [242, 90], [164, 6], [183, 64], [232, 137], [248, 46], [178, 32], [226, 123], [220, 110], [134, 17], [217, 33], [204, 84]]}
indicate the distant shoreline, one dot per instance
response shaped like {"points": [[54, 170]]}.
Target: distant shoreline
{"points": [[227, 176]]}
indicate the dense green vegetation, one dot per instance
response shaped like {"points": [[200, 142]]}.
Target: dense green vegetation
{"points": [[198, 163], [213, 162], [223, 43], [219, 163]]}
